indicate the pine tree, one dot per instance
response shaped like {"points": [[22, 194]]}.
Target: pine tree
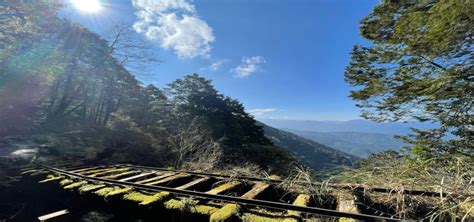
{"points": [[419, 67]]}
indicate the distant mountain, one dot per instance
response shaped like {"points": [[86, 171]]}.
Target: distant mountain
{"points": [[311, 153], [361, 126], [355, 143]]}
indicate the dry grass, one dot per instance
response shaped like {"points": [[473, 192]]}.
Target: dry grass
{"points": [[452, 177], [303, 180]]}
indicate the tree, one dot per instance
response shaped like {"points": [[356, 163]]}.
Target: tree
{"points": [[419, 67], [24, 22], [194, 146], [129, 50], [195, 96], [127, 142], [26, 55]]}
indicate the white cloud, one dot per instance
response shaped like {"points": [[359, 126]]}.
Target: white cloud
{"points": [[175, 25], [249, 65], [217, 64], [259, 112]]}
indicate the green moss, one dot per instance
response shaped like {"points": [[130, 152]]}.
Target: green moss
{"points": [[189, 205], [174, 204], [144, 199], [90, 187], [51, 178], [120, 191], [204, 209], [75, 185], [182, 205], [65, 182], [345, 219], [302, 200], [104, 191], [257, 218], [226, 213], [111, 191]]}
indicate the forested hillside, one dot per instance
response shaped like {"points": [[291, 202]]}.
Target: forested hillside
{"points": [[313, 154], [70, 90]]}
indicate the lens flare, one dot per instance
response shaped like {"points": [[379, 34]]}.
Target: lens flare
{"points": [[89, 6]]}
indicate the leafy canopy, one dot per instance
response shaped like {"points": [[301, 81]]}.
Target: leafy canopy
{"points": [[418, 67]]}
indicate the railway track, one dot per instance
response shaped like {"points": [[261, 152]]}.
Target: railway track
{"points": [[229, 191], [352, 187]]}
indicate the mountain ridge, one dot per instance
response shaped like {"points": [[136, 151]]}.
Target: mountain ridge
{"points": [[313, 154], [356, 143], [358, 125]]}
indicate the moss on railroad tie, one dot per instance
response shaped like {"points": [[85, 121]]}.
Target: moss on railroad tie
{"points": [[90, 187], [112, 191], [74, 185], [190, 205], [51, 178], [65, 182], [250, 217], [227, 213], [302, 200], [204, 209], [145, 199]]}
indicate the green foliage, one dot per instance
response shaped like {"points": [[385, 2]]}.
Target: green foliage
{"points": [[127, 141], [24, 22], [195, 96], [418, 67]]}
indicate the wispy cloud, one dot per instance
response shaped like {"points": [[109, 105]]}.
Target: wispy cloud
{"points": [[259, 112], [217, 64], [176, 25], [249, 65]]}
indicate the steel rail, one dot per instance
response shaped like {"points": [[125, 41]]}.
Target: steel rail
{"points": [[355, 187], [253, 202], [201, 173]]}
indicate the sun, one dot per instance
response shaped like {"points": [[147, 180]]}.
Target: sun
{"points": [[89, 6]]}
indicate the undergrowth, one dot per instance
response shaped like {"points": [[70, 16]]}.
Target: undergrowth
{"points": [[451, 176]]}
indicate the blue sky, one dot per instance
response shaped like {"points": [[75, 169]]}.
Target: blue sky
{"points": [[282, 59]]}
